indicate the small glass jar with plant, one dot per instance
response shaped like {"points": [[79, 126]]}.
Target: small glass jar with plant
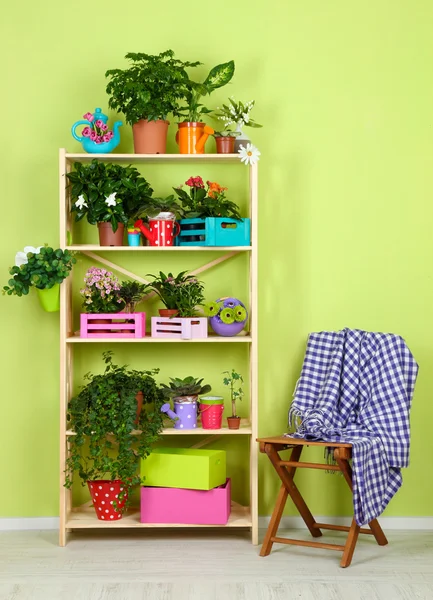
{"points": [[108, 195], [192, 132], [42, 268], [147, 93], [184, 394], [180, 294], [118, 414], [234, 381]]}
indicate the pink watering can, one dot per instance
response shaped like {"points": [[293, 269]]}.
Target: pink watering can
{"points": [[161, 231]]}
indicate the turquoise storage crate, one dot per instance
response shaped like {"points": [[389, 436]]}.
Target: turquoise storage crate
{"points": [[185, 468], [214, 231]]}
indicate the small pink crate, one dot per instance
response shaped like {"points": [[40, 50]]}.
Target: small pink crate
{"points": [[136, 328], [182, 328], [186, 507]]}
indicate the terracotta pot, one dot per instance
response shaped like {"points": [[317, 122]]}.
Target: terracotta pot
{"points": [[225, 144], [191, 137], [99, 322], [234, 422], [107, 237], [168, 312], [150, 137], [139, 397]]}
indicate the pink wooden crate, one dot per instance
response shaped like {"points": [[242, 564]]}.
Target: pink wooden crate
{"points": [[188, 507], [183, 328], [116, 326]]}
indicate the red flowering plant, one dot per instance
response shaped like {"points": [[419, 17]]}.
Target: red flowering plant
{"points": [[206, 201], [97, 130]]}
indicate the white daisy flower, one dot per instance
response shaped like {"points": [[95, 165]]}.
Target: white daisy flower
{"points": [[81, 202], [110, 200], [21, 257], [249, 155]]}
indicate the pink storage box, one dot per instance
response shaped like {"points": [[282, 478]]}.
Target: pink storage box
{"points": [[178, 327], [189, 507], [117, 327]]}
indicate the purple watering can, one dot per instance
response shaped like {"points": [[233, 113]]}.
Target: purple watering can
{"points": [[185, 412]]}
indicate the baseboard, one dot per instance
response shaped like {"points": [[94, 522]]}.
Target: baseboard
{"points": [[388, 523], [28, 523]]}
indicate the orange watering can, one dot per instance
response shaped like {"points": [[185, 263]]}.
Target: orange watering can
{"points": [[191, 137]]}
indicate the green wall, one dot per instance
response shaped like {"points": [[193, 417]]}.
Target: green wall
{"points": [[345, 91]]}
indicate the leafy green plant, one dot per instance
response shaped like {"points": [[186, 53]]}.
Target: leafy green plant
{"points": [[132, 293], [154, 206], [107, 193], [151, 88], [189, 386], [219, 76], [201, 202], [104, 414], [41, 268], [234, 381], [183, 292], [101, 292], [237, 113]]}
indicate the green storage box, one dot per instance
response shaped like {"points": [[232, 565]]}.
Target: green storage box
{"points": [[184, 468]]}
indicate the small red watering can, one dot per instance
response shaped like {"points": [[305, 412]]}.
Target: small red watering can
{"points": [[161, 231]]}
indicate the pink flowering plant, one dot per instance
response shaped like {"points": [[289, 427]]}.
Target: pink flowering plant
{"points": [[101, 292], [182, 292], [97, 130], [206, 201]]}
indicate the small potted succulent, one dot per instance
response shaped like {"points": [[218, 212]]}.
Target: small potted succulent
{"points": [[109, 195], [225, 141], [146, 93], [192, 132], [234, 381], [116, 417], [237, 114], [42, 268], [184, 393], [132, 293], [180, 294], [227, 316]]}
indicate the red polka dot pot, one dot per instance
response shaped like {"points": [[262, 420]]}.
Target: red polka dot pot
{"points": [[104, 495]]}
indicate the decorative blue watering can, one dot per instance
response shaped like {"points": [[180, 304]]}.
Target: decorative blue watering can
{"points": [[90, 145]]}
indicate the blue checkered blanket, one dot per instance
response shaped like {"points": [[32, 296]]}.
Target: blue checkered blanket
{"points": [[357, 387]]}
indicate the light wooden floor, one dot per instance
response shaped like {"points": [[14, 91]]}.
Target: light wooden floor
{"points": [[137, 565]]}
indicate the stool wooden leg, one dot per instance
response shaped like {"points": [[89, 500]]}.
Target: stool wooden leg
{"points": [[286, 475], [378, 533], [350, 544], [275, 521]]}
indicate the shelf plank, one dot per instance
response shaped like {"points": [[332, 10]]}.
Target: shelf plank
{"points": [[75, 339], [85, 518], [245, 429], [155, 158], [98, 248]]}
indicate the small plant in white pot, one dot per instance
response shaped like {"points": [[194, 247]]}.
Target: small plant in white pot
{"points": [[234, 381]]}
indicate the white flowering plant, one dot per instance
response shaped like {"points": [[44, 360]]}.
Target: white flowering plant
{"points": [[236, 114], [107, 193]]}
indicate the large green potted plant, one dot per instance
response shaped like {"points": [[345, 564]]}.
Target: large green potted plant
{"points": [[146, 93], [42, 268], [193, 132], [116, 417], [180, 294], [109, 195]]}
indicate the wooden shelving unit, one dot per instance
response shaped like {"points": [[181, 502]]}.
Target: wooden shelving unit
{"points": [[84, 517]]}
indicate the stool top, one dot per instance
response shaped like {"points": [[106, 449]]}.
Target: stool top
{"points": [[290, 441]]}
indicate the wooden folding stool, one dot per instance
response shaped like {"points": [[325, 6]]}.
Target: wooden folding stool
{"points": [[286, 470]]}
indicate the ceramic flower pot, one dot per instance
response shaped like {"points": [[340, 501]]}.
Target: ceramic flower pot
{"points": [[108, 237], [234, 422], [50, 298], [139, 397], [150, 137], [168, 312], [104, 494], [192, 136], [225, 144]]}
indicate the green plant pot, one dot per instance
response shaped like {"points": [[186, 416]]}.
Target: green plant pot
{"points": [[50, 298]]}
